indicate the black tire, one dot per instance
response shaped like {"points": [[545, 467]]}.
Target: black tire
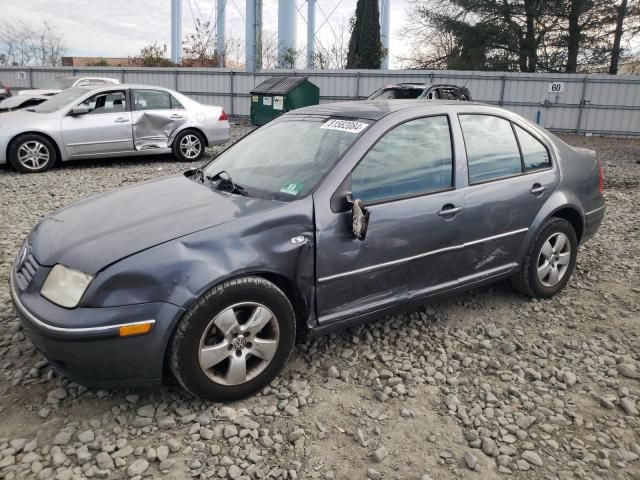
{"points": [[47, 148], [185, 345], [178, 151], [526, 280]]}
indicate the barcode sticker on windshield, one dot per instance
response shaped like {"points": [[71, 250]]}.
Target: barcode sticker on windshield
{"points": [[344, 125]]}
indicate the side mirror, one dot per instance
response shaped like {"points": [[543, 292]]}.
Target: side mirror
{"points": [[359, 218], [79, 111]]}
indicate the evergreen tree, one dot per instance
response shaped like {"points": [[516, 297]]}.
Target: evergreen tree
{"points": [[365, 46]]}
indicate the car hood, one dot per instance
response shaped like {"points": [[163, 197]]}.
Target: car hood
{"points": [[91, 234]]}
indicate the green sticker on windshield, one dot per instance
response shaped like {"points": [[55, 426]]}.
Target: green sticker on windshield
{"points": [[292, 188]]}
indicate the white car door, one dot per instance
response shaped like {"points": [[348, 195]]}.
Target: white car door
{"points": [[104, 129]]}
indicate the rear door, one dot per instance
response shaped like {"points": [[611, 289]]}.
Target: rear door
{"points": [[105, 129], [510, 175], [406, 182], [156, 117]]}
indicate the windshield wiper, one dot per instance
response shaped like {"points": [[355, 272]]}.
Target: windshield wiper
{"points": [[224, 183]]}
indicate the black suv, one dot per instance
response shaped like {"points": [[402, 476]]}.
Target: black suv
{"points": [[429, 91]]}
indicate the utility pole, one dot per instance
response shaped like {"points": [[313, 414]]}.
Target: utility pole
{"points": [[385, 28], [250, 36], [176, 31], [221, 19], [286, 30], [259, 34], [311, 34]]}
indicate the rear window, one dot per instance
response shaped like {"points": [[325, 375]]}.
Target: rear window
{"points": [[534, 154], [492, 149]]}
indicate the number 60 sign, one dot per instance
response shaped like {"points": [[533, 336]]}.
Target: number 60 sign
{"points": [[556, 87]]}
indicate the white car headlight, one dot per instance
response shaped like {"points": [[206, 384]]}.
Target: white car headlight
{"points": [[65, 286]]}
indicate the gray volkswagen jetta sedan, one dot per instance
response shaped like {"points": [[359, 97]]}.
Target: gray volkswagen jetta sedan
{"points": [[327, 216]]}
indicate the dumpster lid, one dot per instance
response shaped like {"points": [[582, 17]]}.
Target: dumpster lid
{"points": [[278, 85]]}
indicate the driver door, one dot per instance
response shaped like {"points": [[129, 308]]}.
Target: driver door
{"points": [[104, 129], [414, 233]]}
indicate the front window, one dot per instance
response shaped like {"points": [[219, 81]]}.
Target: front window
{"points": [[106, 102], [415, 158], [61, 100], [287, 159]]}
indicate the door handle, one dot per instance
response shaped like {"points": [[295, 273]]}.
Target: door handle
{"points": [[121, 120], [537, 189], [449, 210], [175, 115]]}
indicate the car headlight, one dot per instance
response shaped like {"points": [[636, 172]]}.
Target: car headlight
{"points": [[65, 286]]}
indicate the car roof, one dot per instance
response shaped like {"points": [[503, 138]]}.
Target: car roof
{"points": [[375, 109]]}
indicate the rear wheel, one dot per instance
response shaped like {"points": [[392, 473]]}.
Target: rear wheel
{"points": [[234, 340], [32, 153], [550, 260], [188, 146]]}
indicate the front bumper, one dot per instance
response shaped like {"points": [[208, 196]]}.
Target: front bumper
{"points": [[83, 343]]}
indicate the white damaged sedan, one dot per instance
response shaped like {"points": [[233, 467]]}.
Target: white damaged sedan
{"points": [[110, 121]]}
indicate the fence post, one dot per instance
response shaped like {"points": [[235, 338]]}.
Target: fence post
{"points": [[231, 111], [582, 101], [122, 72], [358, 85], [504, 82], [30, 77], [175, 80]]}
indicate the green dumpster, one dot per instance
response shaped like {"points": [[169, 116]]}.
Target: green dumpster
{"points": [[278, 95]]}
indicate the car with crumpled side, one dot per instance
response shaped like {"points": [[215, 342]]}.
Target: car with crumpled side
{"points": [[110, 121], [324, 218]]}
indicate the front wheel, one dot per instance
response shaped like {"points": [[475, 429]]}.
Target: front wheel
{"points": [[234, 340], [550, 260], [188, 146], [32, 153]]}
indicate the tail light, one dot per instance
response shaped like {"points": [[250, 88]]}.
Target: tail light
{"points": [[223, 116], [600, 175]]}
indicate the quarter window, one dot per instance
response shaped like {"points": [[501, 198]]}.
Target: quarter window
{"points": [[151, 100], [412, 159], [534, 154], [492, 149]]}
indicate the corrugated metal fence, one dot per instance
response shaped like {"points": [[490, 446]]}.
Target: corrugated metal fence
{"points": [[598, 104]]}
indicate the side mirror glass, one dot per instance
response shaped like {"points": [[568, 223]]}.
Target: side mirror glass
{"points": [[79, 111], [360, 219]]}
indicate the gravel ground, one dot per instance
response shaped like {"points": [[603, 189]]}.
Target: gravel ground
{"points": [[486, 385]]}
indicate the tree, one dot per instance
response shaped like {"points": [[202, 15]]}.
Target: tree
{"points": [[100, 62], [200, 46], [333, 56], [22, 44], [152, 56], [365, 46]]}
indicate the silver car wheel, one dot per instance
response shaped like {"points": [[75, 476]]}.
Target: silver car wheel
{"points": [[554, 259], [190, 146], [239, 343], [33, 155]]}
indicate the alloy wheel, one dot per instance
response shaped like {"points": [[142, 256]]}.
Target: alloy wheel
{"points": [[239, 343], [554, 259], [33, 155], [190, 146]]}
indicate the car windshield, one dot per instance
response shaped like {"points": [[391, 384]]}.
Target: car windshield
{"points": [[60, 83], [286, 160], [59, 101], [395, 93]]}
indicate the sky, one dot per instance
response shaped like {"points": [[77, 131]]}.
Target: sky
{"points": [[120, 28]]}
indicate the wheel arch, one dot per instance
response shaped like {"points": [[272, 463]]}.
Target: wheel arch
{"points": [[35, 132], [192, 128]]}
